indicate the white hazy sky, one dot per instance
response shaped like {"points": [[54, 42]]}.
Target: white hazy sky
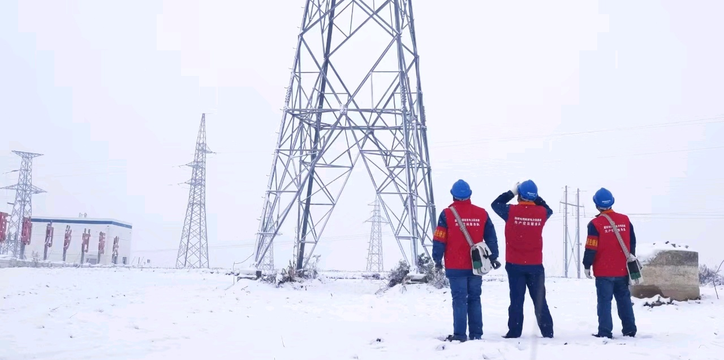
{"points": [[621, 94]]}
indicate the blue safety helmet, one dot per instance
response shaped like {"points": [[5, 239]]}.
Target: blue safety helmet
{"points": [[527, 190], [461, 190], [603, 199]]}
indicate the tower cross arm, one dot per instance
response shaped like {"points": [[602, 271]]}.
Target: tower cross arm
{"points": [[33, 189], [26, 154]]}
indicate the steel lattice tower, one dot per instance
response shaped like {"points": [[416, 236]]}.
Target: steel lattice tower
{"points": [[268, 262], [354, 94], [23, 205], [374, 254], [193, 251]]}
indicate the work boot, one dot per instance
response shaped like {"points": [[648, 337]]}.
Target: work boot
{"points": [[456, 338]]}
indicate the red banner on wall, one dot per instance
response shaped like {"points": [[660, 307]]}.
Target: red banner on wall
{"points": [[115, 246], [26, 233], [49, 235], [68, 234], [86, 242], [102, 243], [3, 226]]}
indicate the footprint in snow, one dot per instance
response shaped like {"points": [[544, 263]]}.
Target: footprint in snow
{"points": [[377, 343]]}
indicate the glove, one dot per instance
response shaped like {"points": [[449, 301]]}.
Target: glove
{"points": [[514, 190], [539, 201], [496, 264], [438, 266], [588, 273]]}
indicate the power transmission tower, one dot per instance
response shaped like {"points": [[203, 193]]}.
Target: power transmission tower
{"points": [[23, 205], [267, 263], [193, 251], [354, 94], [374, 254], [571, 249]]}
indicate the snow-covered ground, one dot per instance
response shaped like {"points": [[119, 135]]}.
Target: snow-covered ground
{"points": [[68, 313]]}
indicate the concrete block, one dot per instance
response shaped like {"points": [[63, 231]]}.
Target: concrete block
{"points": [[672, 274]]}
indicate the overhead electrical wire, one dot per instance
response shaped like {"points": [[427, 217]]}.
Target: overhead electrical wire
{"points": [[700, 121], [249, 244]]}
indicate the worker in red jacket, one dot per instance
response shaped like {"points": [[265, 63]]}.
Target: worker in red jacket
{"points": [[524, 254], [450, 243], [605, 255]]}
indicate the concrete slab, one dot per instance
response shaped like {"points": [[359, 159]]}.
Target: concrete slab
{"points": [[672, 274]]}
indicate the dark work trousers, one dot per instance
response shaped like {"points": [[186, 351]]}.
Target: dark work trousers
{"points": [[606, 289], [532, 277], [467, 310]]}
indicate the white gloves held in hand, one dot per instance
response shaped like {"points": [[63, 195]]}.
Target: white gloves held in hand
{"points": [[588, 273], [515, 188]]}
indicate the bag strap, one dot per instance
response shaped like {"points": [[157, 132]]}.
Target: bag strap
{"points": [[462, 226], [618, 236]]}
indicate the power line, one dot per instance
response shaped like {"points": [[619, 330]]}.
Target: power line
{"points": [[82, 174], [625, 155], [701, 121], [243, 245]]}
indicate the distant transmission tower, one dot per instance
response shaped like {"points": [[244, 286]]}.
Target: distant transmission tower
{"points": [[267, 263], [22, 207], [374, 254], [193, 252], [354, 94], [571, 249]]}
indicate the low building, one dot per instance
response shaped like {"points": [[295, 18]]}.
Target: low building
{"points": [[115, 249]]}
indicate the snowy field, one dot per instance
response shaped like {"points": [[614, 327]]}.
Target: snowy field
{"points": [[167, 314]]}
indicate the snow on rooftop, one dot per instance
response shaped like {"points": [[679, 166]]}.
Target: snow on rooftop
{"points": [[645, 252]]}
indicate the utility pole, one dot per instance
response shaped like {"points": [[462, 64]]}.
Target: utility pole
{"points": [[22, 207], [193, 251], [571, 249], [374, 254], [342, 110], [578, 232], [565, 233]]}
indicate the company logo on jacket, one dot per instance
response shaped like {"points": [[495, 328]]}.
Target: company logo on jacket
{"points": [[527, 221], [468, 222], [609, 229]]}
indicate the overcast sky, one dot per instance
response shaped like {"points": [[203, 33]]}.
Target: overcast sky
{"points": [[620, 94]]}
